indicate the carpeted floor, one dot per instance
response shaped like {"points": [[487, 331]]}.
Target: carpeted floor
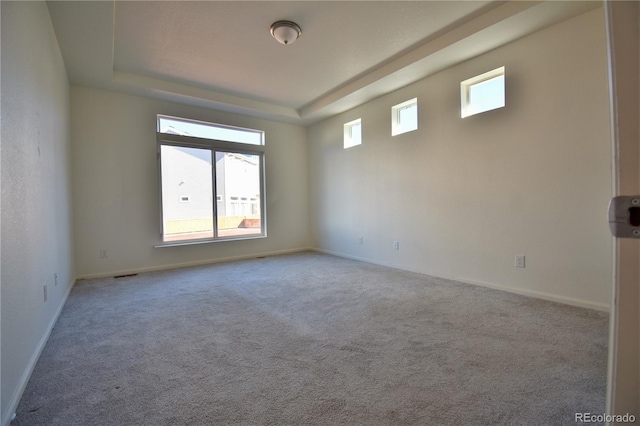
{"points": [[311, 339]]}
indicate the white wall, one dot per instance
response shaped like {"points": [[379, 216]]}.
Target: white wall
{"points": [[463, 196], [36, 191], [115, 185]]}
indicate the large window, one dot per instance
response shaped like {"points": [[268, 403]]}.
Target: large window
{"points": [[211, 179]]}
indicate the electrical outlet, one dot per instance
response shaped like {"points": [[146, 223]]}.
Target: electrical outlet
{"points": [[361, 240], [396, 245], [45, 292], [103, 253], [519, 260], [55, 279]]}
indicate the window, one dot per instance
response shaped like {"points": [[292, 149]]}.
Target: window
{"points": [[222, 169], [483, 93], [404, 117], [200, 129], [352, 133]]}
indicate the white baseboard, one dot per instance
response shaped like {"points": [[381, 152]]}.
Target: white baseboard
{"points": [[26, 375], [581, 303], [530, 293], [195, 263]]}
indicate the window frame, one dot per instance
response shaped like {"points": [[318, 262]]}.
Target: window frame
{"points": [[348, 141], [214, 145], [396, 124], [465, 91]]}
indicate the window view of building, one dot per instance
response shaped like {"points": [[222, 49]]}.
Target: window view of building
{"points": [[191, 180], [238, 189]]}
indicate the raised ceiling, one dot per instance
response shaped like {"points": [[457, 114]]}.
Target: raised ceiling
{"points": [[219, 54]]}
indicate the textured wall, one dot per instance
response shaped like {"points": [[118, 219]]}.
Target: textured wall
{"points": [[116, 190], [36, 190], [463, 196]]}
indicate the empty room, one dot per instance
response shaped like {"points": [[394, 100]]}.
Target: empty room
{"points": [[319, 212]]}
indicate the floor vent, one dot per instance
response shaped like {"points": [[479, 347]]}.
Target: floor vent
{"points": [[124, 276]]}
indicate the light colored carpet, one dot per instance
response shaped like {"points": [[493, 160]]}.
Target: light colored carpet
{"points": [[312, 339]]}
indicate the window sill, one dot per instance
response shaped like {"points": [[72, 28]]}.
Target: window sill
{"points": [[206, 241]]}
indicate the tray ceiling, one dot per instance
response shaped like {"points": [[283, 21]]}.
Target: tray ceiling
{"points": [[220, 54]]}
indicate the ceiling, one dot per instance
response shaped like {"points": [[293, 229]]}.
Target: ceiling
{"points": [[220, 54]]}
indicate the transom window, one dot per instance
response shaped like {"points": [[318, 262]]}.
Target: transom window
{"points": [[353, 133], [222, 170], [201, 129], [404, 117], [482, 93]]}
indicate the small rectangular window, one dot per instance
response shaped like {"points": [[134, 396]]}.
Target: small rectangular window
{"points": [[404, 117], [200, 129], [483, 93], [353, 133]]}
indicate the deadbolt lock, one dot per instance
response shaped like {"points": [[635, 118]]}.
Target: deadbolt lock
{"points": [[624, 216]]}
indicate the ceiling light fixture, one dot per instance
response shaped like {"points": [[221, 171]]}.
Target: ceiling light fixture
{"points": [[286, 32]]}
